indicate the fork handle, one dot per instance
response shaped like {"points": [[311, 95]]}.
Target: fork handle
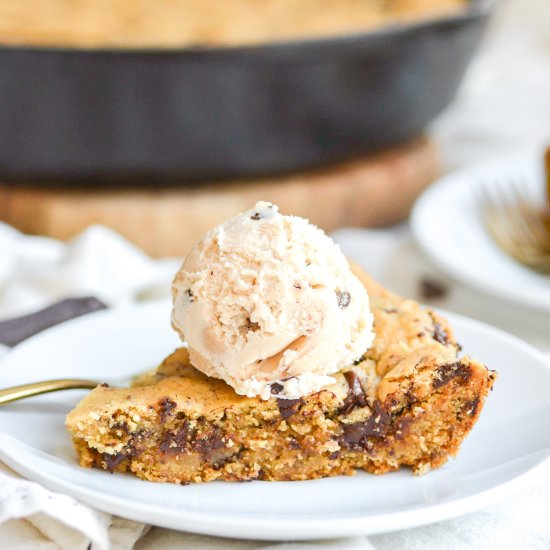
{"points": [[7, 395]]}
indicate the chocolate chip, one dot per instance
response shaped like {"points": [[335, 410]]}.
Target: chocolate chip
{"points": [[445, 373], [112, 461], [256, 216], [356, 396], [219, 463], [432, 289], [440, 334], [353, 382], [390, 310], [209, 442], [176, 441], [344, 298], [354, 434], [402, 427], [276, 388], [185, 439], [120, 426], [189, 293], [357, 435], [334, 455], [409, 394], [470, 407], [166, 406], [360, 360], [293, 444], [288, 407], [103, 385]]}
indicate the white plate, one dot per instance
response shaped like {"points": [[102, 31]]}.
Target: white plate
{"points": [[504, 452], [447, 224]]}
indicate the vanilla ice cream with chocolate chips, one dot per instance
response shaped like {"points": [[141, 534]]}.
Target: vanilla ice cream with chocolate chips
{"points": [[268, 303]]}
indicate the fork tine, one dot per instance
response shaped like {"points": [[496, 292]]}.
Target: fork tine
{"points": [[502, 219], [494, 221], [519, 215], [521, 232], [512, 222], [532, 221]]}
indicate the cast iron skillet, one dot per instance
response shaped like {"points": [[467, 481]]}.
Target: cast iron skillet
{"points": [[197, 114]]}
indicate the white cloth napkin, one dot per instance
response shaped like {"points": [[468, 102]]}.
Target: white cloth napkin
{"points": [[37, 271]]}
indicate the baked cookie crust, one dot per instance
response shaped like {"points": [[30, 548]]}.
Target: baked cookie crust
{"points": [[409, 401]]}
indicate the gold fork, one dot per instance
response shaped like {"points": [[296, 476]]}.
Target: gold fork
{"points": [[15, 393], [7, 395], [519, 225]]}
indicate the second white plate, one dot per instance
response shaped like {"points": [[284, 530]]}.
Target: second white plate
{"points": [[447, 223]]}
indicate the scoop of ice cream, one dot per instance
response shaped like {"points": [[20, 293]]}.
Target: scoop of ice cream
{"points": [[268, 303]]}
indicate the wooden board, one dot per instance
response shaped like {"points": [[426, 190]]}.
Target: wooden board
{"points": [[372, 191]]}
